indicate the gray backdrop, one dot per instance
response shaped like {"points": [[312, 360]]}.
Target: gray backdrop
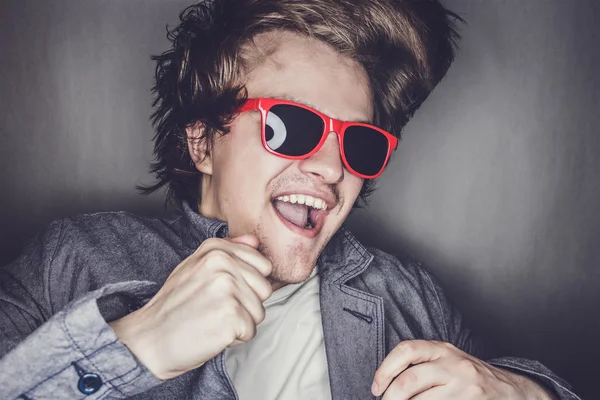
{"points": [[494, 187]]}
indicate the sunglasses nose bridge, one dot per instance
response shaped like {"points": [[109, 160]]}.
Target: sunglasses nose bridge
{"points": [[334, 126]]}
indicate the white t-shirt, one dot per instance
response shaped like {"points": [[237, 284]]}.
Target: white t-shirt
{"points": [[286, 359]]}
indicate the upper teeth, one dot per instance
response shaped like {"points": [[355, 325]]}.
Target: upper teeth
{"points": [[304, 199]]}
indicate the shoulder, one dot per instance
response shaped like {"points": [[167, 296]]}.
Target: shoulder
{"points": [[92, 250], [115, 221], [123, 235], [105, 231]]}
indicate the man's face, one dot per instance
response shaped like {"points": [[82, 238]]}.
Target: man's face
{"points": [[242, 181]]}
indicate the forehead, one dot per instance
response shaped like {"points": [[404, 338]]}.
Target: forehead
{"points": [[290, 66]]}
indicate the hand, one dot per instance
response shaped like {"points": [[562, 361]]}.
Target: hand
{"points": [[441, 371], [212, 300]]}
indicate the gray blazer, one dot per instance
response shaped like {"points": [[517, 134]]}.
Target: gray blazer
{"points": [[56, 299]]}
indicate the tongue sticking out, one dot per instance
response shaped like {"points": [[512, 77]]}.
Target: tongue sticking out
{"points": [[297, 214]]}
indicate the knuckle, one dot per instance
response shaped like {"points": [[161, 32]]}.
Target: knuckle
{"points": [[217, 257], [246, 329], [231, 308], [449, 346], [225, 283], [408, 347], [467, 367], [261, 314], [209, 244], [238, 309], [407, 380], [475, 392]]}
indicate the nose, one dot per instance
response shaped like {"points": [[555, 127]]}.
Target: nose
{"points": [[326, 164]]}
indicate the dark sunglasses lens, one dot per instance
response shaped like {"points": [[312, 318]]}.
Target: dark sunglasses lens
{"points": [[292, 131], [365, 149]]}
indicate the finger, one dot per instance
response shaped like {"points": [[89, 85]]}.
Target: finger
{"points": [[435, 393], [250, 301], [417, 379], [256, 281], [250, 254], [246, 328], [240, 250], [247, 239], [235, 258], [240, 308], [406, 353]]}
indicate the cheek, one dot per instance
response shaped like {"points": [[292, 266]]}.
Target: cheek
{"points": [[233, 155], [349, 190], [355, 185], [243, 170]]}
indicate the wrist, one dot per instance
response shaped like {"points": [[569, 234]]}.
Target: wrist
{"points": [[534, 390], [129, 330]]}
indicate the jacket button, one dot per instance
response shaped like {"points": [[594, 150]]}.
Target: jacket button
{"points": [[89, 383]]}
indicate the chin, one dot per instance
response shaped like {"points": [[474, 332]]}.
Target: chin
{"points": [[291, 266], [280, 278], [293, 255]]}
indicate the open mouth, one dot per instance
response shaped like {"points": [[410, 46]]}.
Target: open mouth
{"points": [[303, 214]]}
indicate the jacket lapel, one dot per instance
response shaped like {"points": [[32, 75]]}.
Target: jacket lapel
{"points": [[353, 320]]}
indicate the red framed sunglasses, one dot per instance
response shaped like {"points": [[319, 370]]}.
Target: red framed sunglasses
{"points": [[295, 131]]}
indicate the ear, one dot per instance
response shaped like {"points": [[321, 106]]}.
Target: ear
{"points": [[198, 148]]}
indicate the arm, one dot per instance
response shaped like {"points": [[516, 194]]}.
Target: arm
{"points": [[222, 285], [45, 349]]}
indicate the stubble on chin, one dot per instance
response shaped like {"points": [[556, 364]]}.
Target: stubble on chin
{"points": [[290, 265]]}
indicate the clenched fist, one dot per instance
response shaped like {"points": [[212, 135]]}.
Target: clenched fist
{"points": [[212, 300]]}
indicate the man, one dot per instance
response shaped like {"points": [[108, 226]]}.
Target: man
{"points": [[273, 117]]}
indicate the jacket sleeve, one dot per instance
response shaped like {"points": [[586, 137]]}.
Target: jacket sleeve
{"points": [[68, 353], [460, 336]]}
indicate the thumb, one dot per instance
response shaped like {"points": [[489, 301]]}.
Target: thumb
{"points": [[248, 239]]}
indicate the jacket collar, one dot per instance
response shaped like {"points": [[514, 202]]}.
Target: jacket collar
{"points": [[201, 227], [343, 258]]}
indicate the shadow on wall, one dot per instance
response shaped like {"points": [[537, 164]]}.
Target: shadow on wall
{"points": [[74, 110], [18, 231]]}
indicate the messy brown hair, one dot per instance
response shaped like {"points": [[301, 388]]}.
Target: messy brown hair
{"points": [[405, 46]]}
